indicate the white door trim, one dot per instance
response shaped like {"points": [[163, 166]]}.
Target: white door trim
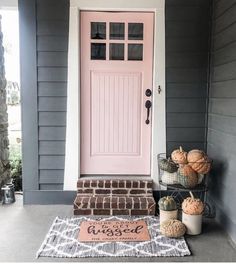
{"points": [[72, 158]]}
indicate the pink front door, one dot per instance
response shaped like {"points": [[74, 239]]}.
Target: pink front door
{"points": [[116, 71]]}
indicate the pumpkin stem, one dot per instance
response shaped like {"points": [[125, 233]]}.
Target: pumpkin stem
{"points": [[181, 149], [191, 195]]}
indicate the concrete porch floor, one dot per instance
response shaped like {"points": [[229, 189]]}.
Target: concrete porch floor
{"points": [[23, 228]]}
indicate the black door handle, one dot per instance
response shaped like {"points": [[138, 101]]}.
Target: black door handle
{"points": [[148, 105]]}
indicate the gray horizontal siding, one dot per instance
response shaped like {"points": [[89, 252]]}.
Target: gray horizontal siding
{"points": [[222, 111], [178, 29], [52, 133], [52, 46], [224, 38], [227, 92], [223, 123], [226, 19], [187, 31], [186, 59], [186, 134], [52, 27], [186, 13], [181, 75], [51, 162], [224, 72], [179, 120], [48, 10], [51, 176], [184, 3], [223, 56], [51, 148], [187, 44], [52, 74], [52, 43], [186, 105], [187, 90], [52, 59], [55, 104], [52, 119], [223, 106], [222, 6], [52, 88]]}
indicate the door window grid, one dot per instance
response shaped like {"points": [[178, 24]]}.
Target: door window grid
{"points": [[129, 43]]}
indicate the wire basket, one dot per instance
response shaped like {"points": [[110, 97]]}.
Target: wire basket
{"points": [[171, 179]]}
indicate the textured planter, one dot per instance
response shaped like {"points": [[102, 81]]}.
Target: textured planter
{"points": [[193, 223], [167, 215]]}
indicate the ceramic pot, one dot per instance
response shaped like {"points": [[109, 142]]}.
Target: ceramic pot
{"points": [[167, 215], [8, 194], [193, 223]]}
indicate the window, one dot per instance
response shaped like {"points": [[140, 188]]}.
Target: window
{"points": [[124, 41]]}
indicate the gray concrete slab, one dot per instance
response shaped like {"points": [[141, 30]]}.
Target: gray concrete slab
{"points": [[23, 228]]}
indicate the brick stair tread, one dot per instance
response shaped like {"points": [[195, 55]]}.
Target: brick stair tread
{"points": [[111, 202], [114, 187], [136, 184]]}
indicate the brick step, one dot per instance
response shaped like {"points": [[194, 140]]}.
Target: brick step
{"points": [[114, 187], [110, 205]]}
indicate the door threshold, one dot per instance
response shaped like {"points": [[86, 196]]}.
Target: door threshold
{"points": [[116, 177]]}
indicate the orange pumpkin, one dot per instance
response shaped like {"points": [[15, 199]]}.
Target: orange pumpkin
{"points": [[192, 206], [187, 176], [199, 161], [179, 156]]}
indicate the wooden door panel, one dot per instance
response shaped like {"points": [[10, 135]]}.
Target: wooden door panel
{"points": [[114, 136], [116, 113]]}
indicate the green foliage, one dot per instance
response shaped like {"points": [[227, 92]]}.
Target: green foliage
{"points": [[16, 166], [16, 174], [15, 152]]}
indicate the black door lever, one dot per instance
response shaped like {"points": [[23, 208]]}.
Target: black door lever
{"points": [[148, 105]]}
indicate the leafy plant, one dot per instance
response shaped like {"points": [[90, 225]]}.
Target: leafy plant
{"points": [[16, 173], [16, 166]]}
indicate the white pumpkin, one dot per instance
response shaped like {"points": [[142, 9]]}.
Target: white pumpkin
{"points": [[169, 178]]}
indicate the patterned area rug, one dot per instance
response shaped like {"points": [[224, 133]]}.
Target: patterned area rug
{"points": [[62, 241]]}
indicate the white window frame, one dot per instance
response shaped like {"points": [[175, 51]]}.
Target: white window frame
{"points": [[72, 158]]}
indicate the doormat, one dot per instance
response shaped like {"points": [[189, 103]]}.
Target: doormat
{"points": [[113, 231], [62, 241]]}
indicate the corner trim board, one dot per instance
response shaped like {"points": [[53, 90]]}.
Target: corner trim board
{"points": [[28, 61]]}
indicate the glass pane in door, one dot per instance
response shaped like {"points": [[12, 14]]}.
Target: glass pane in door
{"points": [[135, 31], [98, 30], [116, 51], [117, 30]]}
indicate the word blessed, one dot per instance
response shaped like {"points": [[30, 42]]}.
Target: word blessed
{"points": [[116, 230], [95, 231]]}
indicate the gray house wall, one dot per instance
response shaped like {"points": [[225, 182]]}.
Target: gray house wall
{"points": [[52, 19], [44, 46], [222, 113], [187, 45]]}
